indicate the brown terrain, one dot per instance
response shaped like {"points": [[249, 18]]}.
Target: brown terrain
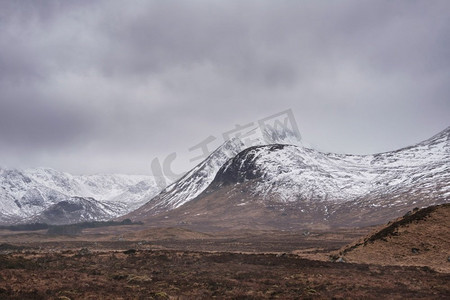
{"points": [[140, 262], [420, 238], [234, 207]]}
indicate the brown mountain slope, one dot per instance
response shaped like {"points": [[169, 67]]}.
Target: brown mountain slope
{"points": [[420, 238], [233, 207]]}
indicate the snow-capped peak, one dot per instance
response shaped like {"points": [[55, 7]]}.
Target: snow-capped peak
{"points": [[198, 179]]}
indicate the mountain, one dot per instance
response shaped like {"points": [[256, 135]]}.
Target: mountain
{"points": [[200, 177], [192, 183], [289, 186], [31, 195], [75, 210]]}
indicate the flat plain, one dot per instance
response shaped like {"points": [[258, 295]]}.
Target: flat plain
{"points": [[134, 262]]}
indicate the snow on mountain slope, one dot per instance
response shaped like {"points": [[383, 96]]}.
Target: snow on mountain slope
{"points": [[25, 194], [324, 185], [194, 182], [198, 179], [136, 195], [75, 210], [292, 173], [100, 187]]}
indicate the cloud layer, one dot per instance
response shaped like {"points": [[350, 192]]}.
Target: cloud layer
{"points": [[106, 86]]}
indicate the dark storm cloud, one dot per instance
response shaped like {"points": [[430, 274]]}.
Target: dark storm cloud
{"points": [[115, 83]]}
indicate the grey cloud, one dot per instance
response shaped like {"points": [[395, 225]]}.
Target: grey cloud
{"points": [[27, 120], [117, 82]]}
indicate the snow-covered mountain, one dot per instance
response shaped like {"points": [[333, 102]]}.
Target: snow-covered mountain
{"points": [[26, 194], [75, 210], [304, 185], [200, 177], [192, 183], [291, 172]]}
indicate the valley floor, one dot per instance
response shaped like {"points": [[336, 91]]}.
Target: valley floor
{"points": [[175, 263]]}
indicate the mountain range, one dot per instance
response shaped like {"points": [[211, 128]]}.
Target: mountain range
{"points": [[282, 186], [276, 183], [49, 196], [45, 195]]}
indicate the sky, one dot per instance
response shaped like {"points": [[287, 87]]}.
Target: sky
{"points": [[108, 86]]}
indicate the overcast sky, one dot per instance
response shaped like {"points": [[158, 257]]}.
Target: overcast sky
{"points": [[107, 86]]}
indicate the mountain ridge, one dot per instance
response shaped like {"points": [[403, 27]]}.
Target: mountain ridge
{"points": [[338, 189], [26, 194]]}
